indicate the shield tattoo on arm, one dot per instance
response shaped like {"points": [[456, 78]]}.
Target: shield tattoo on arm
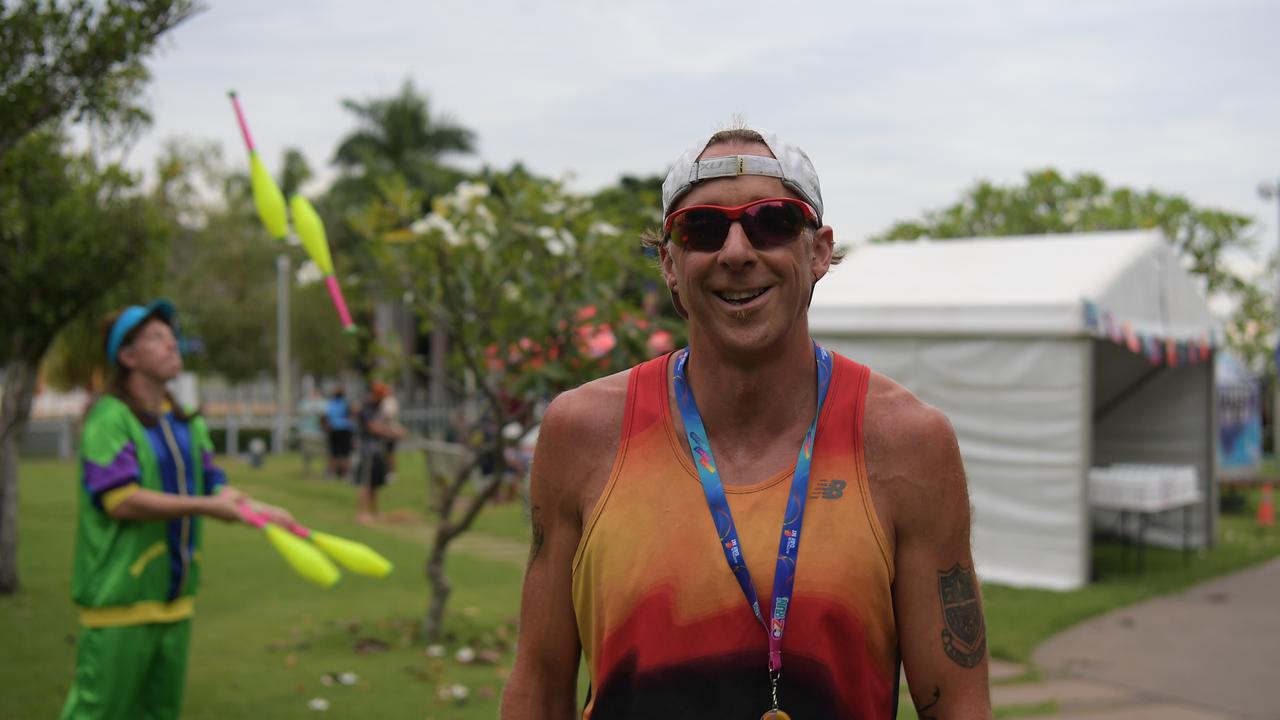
{"points": [[964, 633]]}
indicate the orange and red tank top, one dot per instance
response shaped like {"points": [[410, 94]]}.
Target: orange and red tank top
{"points": [[664, 625]]}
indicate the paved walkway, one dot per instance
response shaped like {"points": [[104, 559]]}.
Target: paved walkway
{"points": [[1209, 653], [1212, 651]]}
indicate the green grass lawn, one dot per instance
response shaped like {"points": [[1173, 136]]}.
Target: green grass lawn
{"points": [[264, 640]]}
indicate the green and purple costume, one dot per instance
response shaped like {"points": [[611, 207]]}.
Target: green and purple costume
{"points": [[135, 581]]}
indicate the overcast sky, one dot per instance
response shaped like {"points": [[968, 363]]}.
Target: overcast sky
{"points": [[901, 105]]}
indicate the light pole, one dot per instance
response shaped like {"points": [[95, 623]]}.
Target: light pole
{"points": [[284, 396], [1270, 190]]}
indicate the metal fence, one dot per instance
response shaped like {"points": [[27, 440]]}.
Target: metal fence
{"points": [[232, 413]]}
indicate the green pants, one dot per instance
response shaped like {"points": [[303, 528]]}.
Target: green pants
{"points": [[136, 671]]}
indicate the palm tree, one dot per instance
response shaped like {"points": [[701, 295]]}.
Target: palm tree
{"points": [[295, 171], [397, 137], [400, 135]]}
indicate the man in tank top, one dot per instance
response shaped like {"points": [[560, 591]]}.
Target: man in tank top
{"points": [[752, 526]]}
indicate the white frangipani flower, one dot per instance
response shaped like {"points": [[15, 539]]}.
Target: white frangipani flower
{"points": [[438, 223], [601, 227], [468, 192], [309, 273]]}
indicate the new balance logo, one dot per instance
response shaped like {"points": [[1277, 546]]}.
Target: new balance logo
{"points": [[829, 490]]}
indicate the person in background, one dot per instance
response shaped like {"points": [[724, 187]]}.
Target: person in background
{"points": [[147, 478], [375, 433], [311, 434], [389, 409], [341, 430]]}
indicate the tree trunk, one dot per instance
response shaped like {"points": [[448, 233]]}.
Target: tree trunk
{"points": [[433, 624], [15, 408], [448, 529]]}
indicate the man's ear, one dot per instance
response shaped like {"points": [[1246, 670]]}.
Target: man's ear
{"points": [[823, 249], [668, 266], [669, 275]]}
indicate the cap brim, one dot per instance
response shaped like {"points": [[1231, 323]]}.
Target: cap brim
{"points": [[162, 308], [131, 319]]}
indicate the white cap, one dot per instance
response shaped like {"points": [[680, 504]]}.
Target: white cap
{"points": [[789, 164]]}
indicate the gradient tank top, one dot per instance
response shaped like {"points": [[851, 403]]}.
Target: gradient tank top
{"points": [[664, 625]]}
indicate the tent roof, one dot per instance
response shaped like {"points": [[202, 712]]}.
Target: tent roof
{"points": [[1026, 285]]}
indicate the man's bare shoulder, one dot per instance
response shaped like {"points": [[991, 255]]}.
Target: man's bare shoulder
{"points": [[589, 410], [580, 433], [898, 420], [911, 447]]}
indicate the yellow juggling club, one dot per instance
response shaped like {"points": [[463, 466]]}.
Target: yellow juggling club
{"points": [[311, 229], [304, 558], [269, 201], [354, 556], [267, 197]]}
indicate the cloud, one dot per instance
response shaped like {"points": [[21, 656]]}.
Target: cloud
{"points": [[901, 105]]}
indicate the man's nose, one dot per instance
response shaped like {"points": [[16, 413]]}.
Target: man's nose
{"points": [[737, 249]]}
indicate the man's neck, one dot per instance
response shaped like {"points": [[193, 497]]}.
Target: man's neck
{"points": [[753, 403], [146, 391]]}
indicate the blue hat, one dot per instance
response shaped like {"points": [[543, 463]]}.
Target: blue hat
{"points": [[132, 317]]}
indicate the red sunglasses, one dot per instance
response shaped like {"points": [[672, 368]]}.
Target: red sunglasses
{"points": [[768, 223]]}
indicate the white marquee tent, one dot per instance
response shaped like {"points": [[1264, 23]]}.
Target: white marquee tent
{"points": [[1024, 343]]}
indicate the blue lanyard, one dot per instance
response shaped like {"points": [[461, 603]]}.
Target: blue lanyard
{"points": [[784, 577]]}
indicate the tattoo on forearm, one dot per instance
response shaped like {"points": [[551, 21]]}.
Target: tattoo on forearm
{"points": [[937, 693], [964, 633], [538, 535]]}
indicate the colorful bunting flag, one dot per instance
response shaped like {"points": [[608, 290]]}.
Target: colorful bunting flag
{"points": [[1157, 350]]}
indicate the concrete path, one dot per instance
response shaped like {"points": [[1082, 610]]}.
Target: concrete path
{"points": [[1212, 651]]}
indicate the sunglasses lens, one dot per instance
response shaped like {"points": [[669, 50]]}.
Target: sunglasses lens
{"points": [[767, 223], [771, 224], [702, 230]]}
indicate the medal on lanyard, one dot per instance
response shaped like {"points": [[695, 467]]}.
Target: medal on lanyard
{"points": [[784, 576]]}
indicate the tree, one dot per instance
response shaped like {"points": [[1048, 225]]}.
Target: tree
{"points": [[78, 60], [75, 359], [320, 346], [1051, 203], [226, 294], [534, 291], [70, 233], [71, 229], [399, 135], [398, 142]]}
